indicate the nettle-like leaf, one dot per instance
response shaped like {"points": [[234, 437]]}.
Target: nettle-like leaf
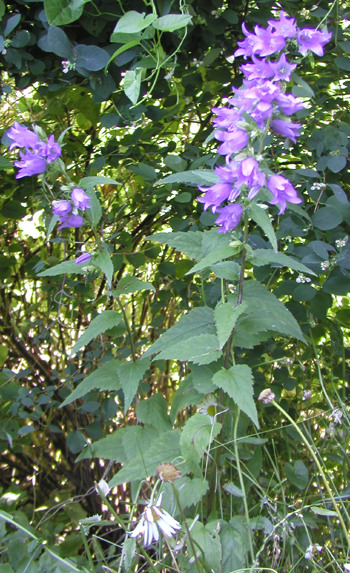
{"points": [[196, 437], [192, 177], [264, 316], [237, 382], [130, 375], [192, 338], [154, 412], [104, 321], [186, 395], [130, 284], [89, 183], [103, 378], [103, 261], [261, 257], [261, 218], [226, 317], [190, 490], [207, 538]]}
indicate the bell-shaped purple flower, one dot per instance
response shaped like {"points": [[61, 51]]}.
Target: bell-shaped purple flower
{"points": [[61, 208], [29, 164], [284, 26], [80, 199], [53, 149], [282, 69], [22, 136], [282, 191], [313, 40], [268, 42], [83, 258], [286, 128], [259, 69], [229, 217], [71, 221], [233, 141], [251, 176]]}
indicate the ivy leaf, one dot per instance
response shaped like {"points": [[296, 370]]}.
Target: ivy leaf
{"points": [[237, 382], [104, 321]]}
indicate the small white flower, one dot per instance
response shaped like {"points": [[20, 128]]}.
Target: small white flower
{"points": [[309, 552], [103, 487], [347, 567], [153, 520], [337, 416]]}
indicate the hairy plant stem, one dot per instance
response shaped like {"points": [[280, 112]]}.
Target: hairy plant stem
{"points": [[241, 482], [310, 448], [176, 494]]}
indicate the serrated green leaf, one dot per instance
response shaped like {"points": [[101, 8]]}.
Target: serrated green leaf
{"points": [[198, 321], [261, 257], [130, 374], [172, 22], [154, 411], [103, 261], [237, 382], [191, 177], [108, 448], [202, 349], [103, 378], [67, 267], [165, 448], [218, 255], [226, 317], [130, 284], [104, 321], [197, 435], [207, 538], [186, 395], [190, 490], [261, 218]]}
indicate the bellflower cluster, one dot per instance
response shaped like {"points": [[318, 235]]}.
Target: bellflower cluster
{"points": [[67, 211], [37, 153], [260, 105]]}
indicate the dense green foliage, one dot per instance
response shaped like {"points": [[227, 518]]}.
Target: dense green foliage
{"points": [[105, 365]]}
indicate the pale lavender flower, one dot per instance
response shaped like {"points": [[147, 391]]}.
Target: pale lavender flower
{"points": [[22, 136], [282, 191], [53, 149], [259, 69], [80, 199], [71, 221], [284, 26], [313, 40], [268, 41], [229, 217], [282, 69], [286, 128], [155, 520], [29, 164], [84, 258], [288, 104], [61, 208], [250, 176], [233, 141]]}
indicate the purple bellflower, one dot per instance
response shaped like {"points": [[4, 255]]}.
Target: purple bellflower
{"points": [[80, 199], [22, 136], [29, 164], [282, 191], [229, 217], [83, 258], [61, 208], [284, 26], [71, 221], [313, 40], [286, 128]]}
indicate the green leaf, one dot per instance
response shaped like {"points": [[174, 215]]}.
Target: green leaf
{"points": [[264, 316], [198, 321], [232, 489], [324, 512], [216, 256], [63, 268], [172, 22], [186, 395], [226, 317], [202, 349], [327, 218], [59, 43], [103, 378], [5, 163], [261, 218], [103, 261], [190, 490], [165, 448], [237, 382], [130, 284], [297, 474], [235, 545], [197, 435], [130, 374], [132, 84], [207, 537], [88, 183], [191, 177], [62, 12], [261, 257], [154, 411], [133, 22], [104, 321]]}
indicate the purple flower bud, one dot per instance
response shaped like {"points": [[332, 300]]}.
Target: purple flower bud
{"points": [[61, 208], [80, 199], [313, 40], [53, 149], [282, 191], [71, 221], [22, 136], [286, 128], [83, 258], [229, 217], [30, 164]]}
